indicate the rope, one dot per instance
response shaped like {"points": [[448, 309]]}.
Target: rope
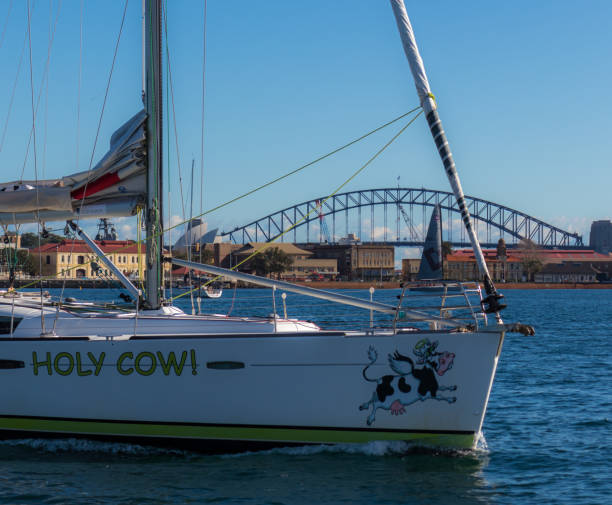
{"points": [[315, 209], [299, 169]]}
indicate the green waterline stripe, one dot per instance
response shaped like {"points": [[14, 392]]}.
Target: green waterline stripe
{"points": [[231, 432]]}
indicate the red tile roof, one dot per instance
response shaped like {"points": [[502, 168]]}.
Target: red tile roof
{"points": [[79, 246], [546, 255]]}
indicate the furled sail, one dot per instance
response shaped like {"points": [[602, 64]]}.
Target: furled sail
{"points": [[431, 261], [112, 188], [491, 303]]}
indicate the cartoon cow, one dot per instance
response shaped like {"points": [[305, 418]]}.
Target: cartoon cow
{"points": [[410, 384]]}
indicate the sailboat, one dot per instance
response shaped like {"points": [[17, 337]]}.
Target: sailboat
{"points": [[154, 374], [430, 277]]}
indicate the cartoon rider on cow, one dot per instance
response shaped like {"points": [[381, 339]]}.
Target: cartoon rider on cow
{"points": [[409, 384]]}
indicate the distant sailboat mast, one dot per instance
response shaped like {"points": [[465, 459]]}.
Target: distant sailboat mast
{"points": [[491, 303], [153, 104]]}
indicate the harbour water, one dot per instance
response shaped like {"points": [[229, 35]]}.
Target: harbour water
{"points": [[547, 437]]}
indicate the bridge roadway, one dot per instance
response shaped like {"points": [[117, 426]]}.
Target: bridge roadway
{"points": [[399, 226]]}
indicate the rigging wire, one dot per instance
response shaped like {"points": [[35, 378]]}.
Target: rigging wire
{"points": [[108, 83], [8, 15], [189, 225], [46, 111], [110, 76], [168, 177], [78, 121], [42, 312], [315, 209], [203, 110], [309, 164], [78, 127], [10, 108], [44, 77]]}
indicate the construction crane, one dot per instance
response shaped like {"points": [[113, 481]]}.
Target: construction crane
{"points": [[324, 230], [413, 232]]}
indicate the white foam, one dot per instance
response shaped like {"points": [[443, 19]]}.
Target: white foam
{"points": [[481, 443], [375, 448], [83, 445]]}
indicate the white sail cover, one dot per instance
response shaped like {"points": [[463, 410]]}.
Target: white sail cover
{"points": [[119, 175], [412, 54]]}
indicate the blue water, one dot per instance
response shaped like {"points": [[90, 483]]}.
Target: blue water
{"points": [[548, 435]]}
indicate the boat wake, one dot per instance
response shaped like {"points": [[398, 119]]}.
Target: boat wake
{"points": [[375, 448], [77, 445]]}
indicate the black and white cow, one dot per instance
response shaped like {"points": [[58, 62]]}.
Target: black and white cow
{"points": [[409, 384]]}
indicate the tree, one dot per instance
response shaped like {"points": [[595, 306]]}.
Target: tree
{"points": [[26, 263], [530, 259], [30, 240], [208, 256], [447, 248], [272, 261]]}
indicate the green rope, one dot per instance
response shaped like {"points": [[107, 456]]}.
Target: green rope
{"points": [[297, 223]]}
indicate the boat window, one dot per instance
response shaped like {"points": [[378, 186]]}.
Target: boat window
{"points": [[5, 324], [7, 364], [225, 365]]}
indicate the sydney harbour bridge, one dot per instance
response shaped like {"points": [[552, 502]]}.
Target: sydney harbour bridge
{"points": [[399, 216]]}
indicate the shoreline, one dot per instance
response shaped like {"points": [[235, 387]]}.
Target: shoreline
{"points": [[97, 284], [500, 286]]}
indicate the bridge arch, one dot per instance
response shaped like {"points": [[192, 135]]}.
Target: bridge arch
{"points": [[497, 220]]}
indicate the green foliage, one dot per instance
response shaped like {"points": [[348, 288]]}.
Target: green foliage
{"points": [[272, 261], [30, 240], [26, 262], [530, 259], [447, 248], [205, 256]]}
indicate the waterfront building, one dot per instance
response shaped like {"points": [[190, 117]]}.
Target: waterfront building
{"points": [[223, 253], [75, 260], [410, 268], [359, 261], [538, 265], [601, 236], [196, 236], [10, 239], [305, 266]]}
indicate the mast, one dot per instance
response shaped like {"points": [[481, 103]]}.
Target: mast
{"points": [[491, 303], [153, 105]]}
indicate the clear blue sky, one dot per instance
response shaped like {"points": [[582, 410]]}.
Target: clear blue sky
{"points": [[523, 89]]}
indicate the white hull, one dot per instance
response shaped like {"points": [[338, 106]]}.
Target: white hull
{"points": [[230, 388], [212, 292]]}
